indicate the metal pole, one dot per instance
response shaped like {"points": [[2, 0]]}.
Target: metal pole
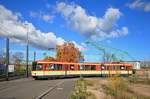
{"points": [[27, 54], [34, 55], [7, 57], [104, 56]]}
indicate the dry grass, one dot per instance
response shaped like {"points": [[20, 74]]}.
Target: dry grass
{"points": [[141, 77], [80, 91], [117, 88], [134, 87]]}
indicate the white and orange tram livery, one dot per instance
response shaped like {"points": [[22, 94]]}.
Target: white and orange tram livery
{"points": [[47, 69]]}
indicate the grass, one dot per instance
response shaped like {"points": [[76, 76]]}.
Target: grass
{"points": [[80, 91], [141, 80], [90, 83], [115, 87], [118, 88], [134, 95]]}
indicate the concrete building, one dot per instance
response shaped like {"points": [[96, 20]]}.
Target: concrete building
{"points": [[136, 64]]}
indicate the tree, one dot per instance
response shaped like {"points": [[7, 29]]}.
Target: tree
{"points": [[68, 53], [18, 59], [2, 57], [49, 58]]}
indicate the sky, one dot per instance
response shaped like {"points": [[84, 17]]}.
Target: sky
{"points": [[121, 24]]}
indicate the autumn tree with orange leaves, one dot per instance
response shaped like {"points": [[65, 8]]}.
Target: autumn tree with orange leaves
{"points": [[68, 53]]}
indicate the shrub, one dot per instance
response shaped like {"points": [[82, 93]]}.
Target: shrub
{"points": [[80, 91], [116, 87], [133, 78]]}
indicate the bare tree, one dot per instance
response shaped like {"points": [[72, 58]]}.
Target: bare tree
{"points": [[18, 60], [2, 57], [18, 57]]}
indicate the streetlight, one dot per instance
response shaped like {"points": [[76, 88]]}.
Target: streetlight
{"points": [[34, 55], [27, 52], [7, 57]]}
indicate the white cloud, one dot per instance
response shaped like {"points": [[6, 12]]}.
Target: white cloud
{"points": [[11, 27], [138, 4], [33, 14], [92, 26], [81, 47], [147, 7], [42, 16], [47, 18]]}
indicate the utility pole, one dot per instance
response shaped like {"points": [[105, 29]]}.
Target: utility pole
{"points": [[7, 57], [104, 56], [27, 54], [34, 55]]}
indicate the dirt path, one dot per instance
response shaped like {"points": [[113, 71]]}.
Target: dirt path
{"points": [[98, 94], [94, 86]]}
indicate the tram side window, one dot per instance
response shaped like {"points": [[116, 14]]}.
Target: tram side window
{"points": [[107, 67], [72, 67], [33, 66], [81, 67], [39, 67], [46, 66], [102, 67], [87, 67], [128, 68], [115, 67], [122, 67], [110, 68], [52, 66], [59, 66], [93, 67]]}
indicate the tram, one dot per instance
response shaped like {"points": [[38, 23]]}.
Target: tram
{"points": [[48, 69]]}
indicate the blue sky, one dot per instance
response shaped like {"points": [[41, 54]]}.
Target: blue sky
{"points": [[121, 24]]}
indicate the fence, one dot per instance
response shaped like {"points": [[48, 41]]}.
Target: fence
{"points": [[19, 72]]}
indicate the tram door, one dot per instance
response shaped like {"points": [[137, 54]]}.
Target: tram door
{"points": [[65, 68], [102, 68]]}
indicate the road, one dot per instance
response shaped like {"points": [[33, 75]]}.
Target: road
{"points": [[29, 88]]}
